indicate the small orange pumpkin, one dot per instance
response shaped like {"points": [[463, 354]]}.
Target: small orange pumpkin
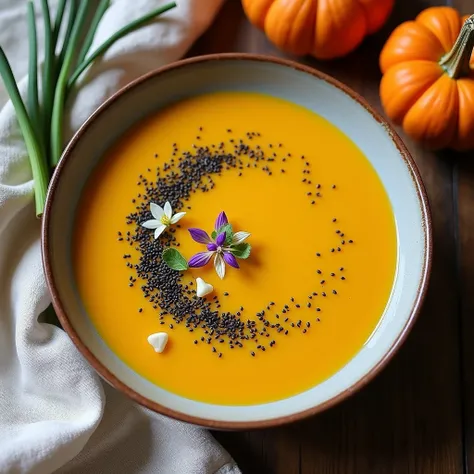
{"points": [[428, 81], [325, 29]]}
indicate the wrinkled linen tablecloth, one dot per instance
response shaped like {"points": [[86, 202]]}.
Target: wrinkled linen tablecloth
{"points": [[55, 413]]}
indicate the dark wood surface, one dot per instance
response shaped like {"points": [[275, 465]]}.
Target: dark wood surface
{"points": [[417, 416]]}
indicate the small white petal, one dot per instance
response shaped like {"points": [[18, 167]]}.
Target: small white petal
{"points": [[151, 224], [177, 217], [203, 288], [156, 211], [159, 230], [158, 341], [239, 237], [168, 210], [219, 265]]}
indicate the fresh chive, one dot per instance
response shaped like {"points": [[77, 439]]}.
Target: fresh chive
{"points": [[38, 163], [67, 35], [59, 20], [99, 13], [60, 92], [33, 102], [47, 85], [116, 36]]}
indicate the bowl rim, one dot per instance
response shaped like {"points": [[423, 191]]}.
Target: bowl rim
{"points": [[104, 372]]}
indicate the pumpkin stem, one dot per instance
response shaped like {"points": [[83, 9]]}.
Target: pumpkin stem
{"points": [[456, 62]]}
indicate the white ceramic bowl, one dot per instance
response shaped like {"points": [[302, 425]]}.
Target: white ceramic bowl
{"points": [[303, 86]]}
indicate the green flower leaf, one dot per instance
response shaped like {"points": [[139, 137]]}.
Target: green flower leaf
{"points": [[174, 259], [214, 235], [241, 250]]}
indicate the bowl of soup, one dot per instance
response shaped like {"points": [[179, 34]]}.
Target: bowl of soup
{"points": [[237, 241]]}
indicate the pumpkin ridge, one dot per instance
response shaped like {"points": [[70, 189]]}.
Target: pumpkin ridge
{"points": [[465, 137], [376, 13], [256, 12], [444, 22], [408, 92], [410, 41], [438, 127], [291, 34], [340, 26]]}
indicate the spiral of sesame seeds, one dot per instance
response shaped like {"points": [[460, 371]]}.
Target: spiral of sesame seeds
{"points": [[173, 298]]}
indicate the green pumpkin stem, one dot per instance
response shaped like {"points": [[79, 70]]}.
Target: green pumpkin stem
{"points": [[456, 62]]}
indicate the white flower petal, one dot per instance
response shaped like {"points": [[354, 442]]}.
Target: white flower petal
{"points": [[168, 210], [156, 211], [177, 217], [219, 265], [239, 237], [151, 224], [159, 230]]}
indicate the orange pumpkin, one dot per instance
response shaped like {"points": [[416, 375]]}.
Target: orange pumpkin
{"points": [[428, 81], [323, 28]]}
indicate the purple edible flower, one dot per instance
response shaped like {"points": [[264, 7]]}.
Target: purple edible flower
{"points": [[222, 247], [220, 221]]}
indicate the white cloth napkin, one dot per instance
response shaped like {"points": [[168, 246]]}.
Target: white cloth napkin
{"points": [[55, 414]]}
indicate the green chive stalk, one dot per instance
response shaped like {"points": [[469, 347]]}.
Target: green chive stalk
{"points": [[41, 122], [69, 26], [48, 68], [59, 20], [60, 92], [139, 22], [101, 9], [38, 163], [33, 101]]}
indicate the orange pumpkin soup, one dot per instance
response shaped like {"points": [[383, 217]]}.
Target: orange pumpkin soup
{"points": [[322, 244]]}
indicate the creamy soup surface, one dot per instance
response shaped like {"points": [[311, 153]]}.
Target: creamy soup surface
{"points": [[322, 260]]}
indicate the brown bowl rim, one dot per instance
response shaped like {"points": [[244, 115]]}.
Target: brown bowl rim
{"points": [[232, 425]]}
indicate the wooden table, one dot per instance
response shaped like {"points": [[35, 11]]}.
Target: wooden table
{"points": [[417, 416]]}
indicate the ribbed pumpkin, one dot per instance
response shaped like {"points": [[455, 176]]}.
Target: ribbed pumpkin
{"points": [[325, 29], [428, 82]]}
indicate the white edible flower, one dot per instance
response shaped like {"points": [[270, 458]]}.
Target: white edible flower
{"points": [[203, 288], [163, 218], [158, 341]]}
